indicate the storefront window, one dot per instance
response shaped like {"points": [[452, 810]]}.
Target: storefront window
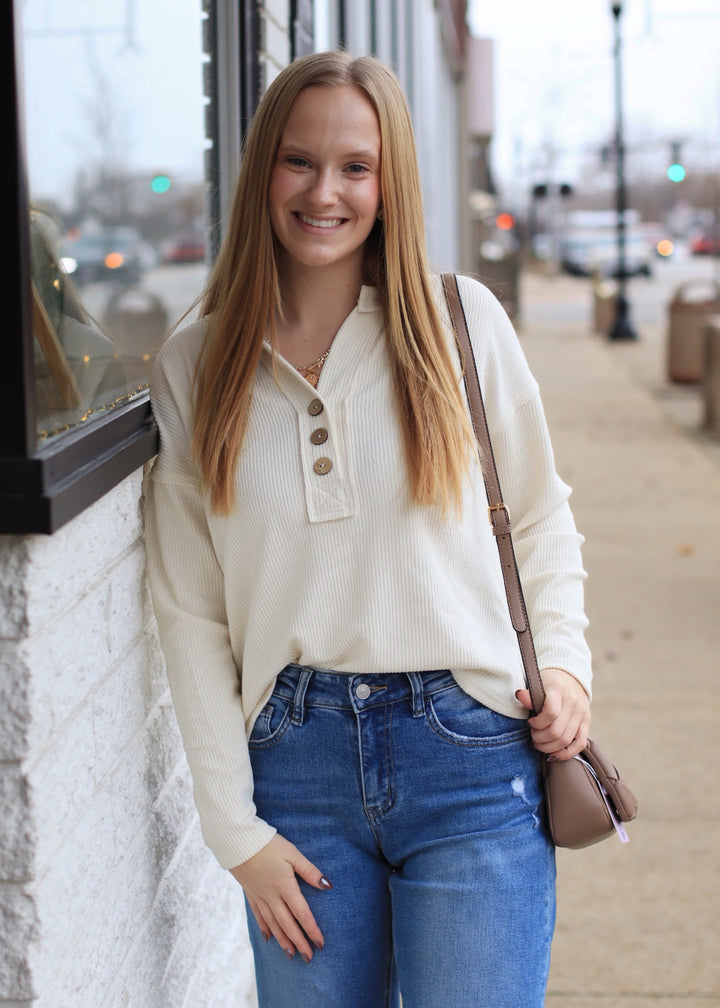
{"points": [[115, 125]]}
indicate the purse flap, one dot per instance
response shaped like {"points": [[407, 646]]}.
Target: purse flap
{"points": [[619, 792]]}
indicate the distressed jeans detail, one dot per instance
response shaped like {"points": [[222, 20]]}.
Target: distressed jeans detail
{"points": [[424, 809]]}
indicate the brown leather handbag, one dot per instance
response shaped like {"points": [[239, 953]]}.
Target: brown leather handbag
{"points": [[586, 799]]}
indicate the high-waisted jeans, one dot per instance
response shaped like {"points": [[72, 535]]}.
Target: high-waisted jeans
{"points": [[424, 809]]}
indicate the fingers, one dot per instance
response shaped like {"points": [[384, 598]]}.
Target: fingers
{"points": [[274, 896], [523, 695], [265, 929], [308, 872], [286, 927], [561, 728]]}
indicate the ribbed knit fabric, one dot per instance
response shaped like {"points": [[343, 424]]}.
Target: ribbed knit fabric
{"points": [[326, 562]]}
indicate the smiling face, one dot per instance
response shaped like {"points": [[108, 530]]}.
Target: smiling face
{"points": [[325, 184]]}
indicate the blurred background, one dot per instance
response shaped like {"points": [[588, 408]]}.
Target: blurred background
{"points": [[548, 152]]}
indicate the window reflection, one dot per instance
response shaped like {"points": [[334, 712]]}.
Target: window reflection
{"points": [[115, 134]]}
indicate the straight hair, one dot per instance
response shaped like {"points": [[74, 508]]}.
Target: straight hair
{"points": [[243, 298]]}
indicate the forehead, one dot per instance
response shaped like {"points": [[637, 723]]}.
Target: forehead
{"points": [[332, 110]]}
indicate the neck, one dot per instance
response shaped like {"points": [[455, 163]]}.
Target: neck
{"points": [[315, 304]]}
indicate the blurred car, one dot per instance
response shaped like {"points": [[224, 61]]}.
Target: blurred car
{"points": [[588, 254], [115, 255], [189, 248], [705, 243]]}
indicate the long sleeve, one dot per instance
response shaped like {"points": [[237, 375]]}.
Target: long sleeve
{"points": [[187, 588]]}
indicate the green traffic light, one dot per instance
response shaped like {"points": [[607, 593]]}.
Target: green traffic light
{"points": [[676, 172], [160, 184]]}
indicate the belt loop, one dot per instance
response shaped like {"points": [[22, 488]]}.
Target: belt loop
{"points": [[298, 713], [418, 694]]}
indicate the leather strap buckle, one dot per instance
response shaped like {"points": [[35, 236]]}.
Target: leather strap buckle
{"points": [[502, 526]]}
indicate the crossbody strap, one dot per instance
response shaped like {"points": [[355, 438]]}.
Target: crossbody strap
{"points": [[497, 510]]}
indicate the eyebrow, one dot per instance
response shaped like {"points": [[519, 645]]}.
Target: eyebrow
{"points": [[358, 155]]}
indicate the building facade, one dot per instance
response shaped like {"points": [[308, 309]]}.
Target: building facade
{"points": [[108, 896]]}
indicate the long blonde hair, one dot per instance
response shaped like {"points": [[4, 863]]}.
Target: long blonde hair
{"points": [[243, 295]]}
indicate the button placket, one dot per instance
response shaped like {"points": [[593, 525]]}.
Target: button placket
{"points": [[330, 490], [322, 465]]}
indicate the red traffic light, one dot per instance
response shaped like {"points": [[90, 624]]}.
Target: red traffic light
{"points": [[505, 222]]}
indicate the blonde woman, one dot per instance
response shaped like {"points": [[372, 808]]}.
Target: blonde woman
{"points": [[327, 588]]}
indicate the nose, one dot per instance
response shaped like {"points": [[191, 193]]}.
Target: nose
{"points": [[323, 190]]}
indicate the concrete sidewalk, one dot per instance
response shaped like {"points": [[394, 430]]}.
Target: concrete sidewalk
{"points": [[640, 923]]}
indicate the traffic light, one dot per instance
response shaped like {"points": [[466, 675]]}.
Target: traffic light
{"points": [[544, 189], [160, 183], [676, 170]]}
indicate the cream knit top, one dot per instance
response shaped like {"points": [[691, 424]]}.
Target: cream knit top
{"points": [[326, 562]]}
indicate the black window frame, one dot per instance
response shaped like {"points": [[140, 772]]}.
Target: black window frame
{"points": [[301, 28], [43, 486]]}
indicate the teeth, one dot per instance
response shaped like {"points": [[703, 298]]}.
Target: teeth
{"points": [[312, 222]]}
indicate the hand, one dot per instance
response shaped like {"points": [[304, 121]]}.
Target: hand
{"points": [[561, 728], [271, 887]]}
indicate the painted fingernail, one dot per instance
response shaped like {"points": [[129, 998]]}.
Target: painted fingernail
{"points": [[325, 883], [306, 959], [289, 953], [319, 946], [266, 937]]}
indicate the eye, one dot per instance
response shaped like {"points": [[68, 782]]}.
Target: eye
{"points": [[357, 169], [295, 161]]}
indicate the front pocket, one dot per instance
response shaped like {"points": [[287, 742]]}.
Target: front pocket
{"points": [[271, 723], [459, 718]]}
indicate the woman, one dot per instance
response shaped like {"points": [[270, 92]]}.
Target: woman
{"points": [[327, 588]]}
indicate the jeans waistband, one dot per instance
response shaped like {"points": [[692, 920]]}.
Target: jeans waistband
{"points": [[305, 686]]}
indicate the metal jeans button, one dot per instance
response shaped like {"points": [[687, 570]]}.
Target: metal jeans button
{"points": [[363, 691]]}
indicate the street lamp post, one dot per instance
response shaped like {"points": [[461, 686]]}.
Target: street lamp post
{"points": [[622, 327]]}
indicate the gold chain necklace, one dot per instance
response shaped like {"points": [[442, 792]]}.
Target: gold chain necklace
{"points": [[311, 372]]}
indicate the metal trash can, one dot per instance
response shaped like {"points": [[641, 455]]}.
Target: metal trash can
{"points": [[689, 309], [136, 321]]}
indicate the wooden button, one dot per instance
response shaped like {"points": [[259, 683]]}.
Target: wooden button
{"points": [[322, 466], [315, 408], [319, 436]]}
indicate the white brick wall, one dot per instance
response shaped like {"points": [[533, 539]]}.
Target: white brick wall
{"points": [[108, 896]]}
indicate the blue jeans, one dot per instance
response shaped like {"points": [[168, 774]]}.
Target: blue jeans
{"points": [[424, 809]]}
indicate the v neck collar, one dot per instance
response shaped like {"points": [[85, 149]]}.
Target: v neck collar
{"points": [[339, 373]]}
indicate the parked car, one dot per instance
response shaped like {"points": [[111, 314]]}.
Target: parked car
{"points": [[587, 254], [188, 248], [115, 255], [705, 243]]}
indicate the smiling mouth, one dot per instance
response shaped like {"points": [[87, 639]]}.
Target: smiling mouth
{"points": [[325, 222]]}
